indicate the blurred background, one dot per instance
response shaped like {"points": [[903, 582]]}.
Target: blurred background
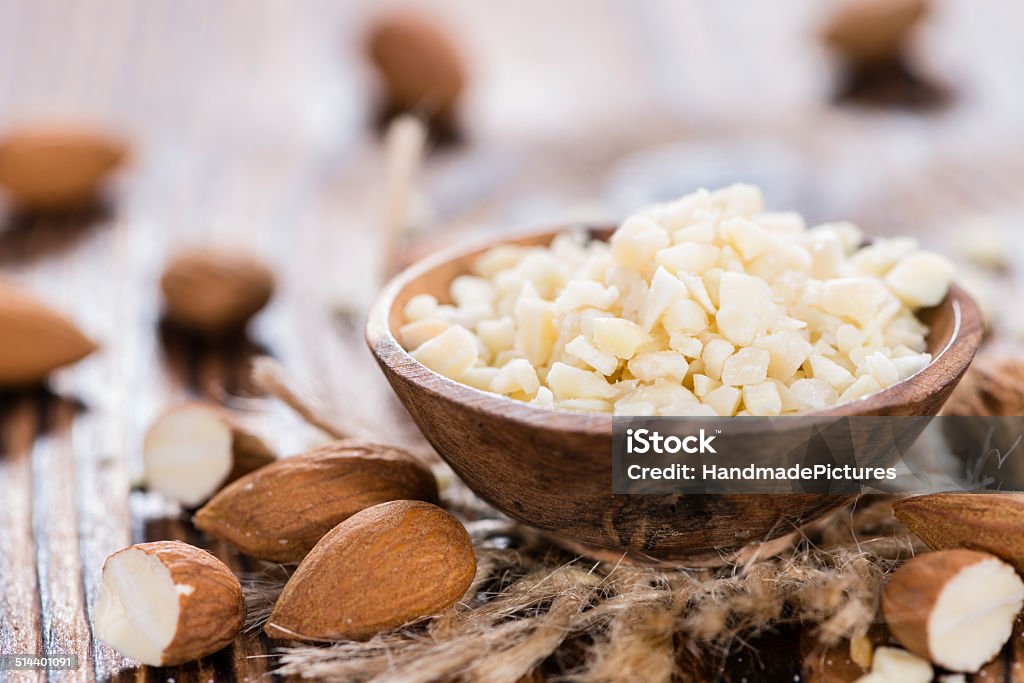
{"points": [[257, 119], [258, 124]]}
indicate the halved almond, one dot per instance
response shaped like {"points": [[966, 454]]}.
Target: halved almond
{"points": [[953, 607], [166, 603], [192, 450]]}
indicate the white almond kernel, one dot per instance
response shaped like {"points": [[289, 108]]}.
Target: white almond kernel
{"points": [[833, 373], [515, 376], [417, 333], [685, 316], [921, 279], [450, 353], [567, 382], [605, 363], [746, 366], [636, 242], [724, 400], [652, 366], [714, 355], [621, 338], [762, 399]]}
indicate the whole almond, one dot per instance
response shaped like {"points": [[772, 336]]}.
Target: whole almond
{"points": [[57, 167], [955, 608], [381, 568], [422, 70], [166, 603], [215, 290], [279, 512], [989, 522], [34, 339], [873, 31]]}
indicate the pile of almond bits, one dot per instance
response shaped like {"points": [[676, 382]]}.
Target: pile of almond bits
{"points": [[708, 305]]}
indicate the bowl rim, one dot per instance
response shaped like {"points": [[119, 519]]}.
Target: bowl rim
{"points": [[389, 352]]}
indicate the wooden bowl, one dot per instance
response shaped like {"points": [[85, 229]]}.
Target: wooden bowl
{"points": [[552, 469]]}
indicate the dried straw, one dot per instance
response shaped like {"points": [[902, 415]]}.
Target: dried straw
{"points": [[531, 603]]}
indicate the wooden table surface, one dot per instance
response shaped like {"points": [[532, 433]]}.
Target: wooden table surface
{"points": [[252, 124]]}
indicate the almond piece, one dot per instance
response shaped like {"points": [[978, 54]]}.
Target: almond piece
{"points": [[989, 522], [279, 512], [166, 603], [421, 69], [953, 607], [191, 451], [893, 665], [381, 568], [35, 340], [214, 291], [57, 167]]}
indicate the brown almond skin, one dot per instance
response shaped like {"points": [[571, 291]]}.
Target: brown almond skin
{"points": [[57, 167], [34, 339], [212, 615], [914, 588], [991, 522], [873, 31], [214, 291], [250, 452], [422, 70], [280, 511], [381, 568]]}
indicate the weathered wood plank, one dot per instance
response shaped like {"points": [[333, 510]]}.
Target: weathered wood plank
{"points": [[20, 622], [64, 625]]}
